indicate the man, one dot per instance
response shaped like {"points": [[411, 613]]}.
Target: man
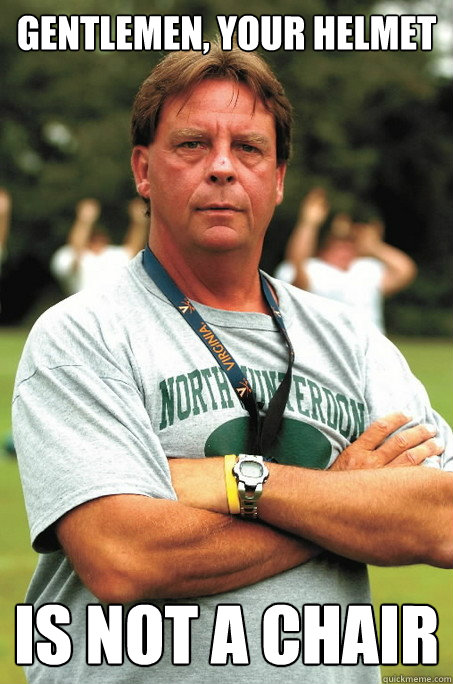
{"points": [[117, 403], [351, 264], [88, 259]]}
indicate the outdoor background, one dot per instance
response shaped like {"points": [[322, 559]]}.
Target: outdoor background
{"points": [[373, 128]]}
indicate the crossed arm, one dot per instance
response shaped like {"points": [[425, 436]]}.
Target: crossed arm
{"points": [[129, 547], [369, 507]]}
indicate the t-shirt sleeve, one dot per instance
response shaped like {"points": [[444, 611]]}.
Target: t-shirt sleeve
{"points": [[391, 387], [81, 431]]}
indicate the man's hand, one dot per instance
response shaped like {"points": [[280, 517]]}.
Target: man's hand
{"points": [[313, 211], [314, 208], [405, 448], [136, 210], [399, 268], [369, 238], [88, 211], [200, 482], [135, 237]]}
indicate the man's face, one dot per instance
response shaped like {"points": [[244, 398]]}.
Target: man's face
{"points": [[211, 172], [340, 253], [98, 243]]}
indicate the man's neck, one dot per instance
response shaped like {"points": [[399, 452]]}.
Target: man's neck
{"points": [[222, 280]]}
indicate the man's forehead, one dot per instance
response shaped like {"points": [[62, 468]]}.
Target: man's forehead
{"points": [[215, 96]]}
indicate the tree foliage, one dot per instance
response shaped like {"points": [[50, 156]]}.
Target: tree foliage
{"points": [[371, 127]]}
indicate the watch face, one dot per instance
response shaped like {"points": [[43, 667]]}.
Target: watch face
{"points": [[251, 469]]}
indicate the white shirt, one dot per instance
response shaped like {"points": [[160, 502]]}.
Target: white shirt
{"points": [[94, 269], [359, 286]]}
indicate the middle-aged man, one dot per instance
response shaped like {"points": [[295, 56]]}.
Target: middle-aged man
{"points": [[123, 394]]}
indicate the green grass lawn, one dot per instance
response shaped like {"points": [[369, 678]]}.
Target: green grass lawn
{"points": [[431, 361], [17, 560]]}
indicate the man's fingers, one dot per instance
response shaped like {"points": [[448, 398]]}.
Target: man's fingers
{"points": [[379, 447], [417, 454], [405, 440], [380, 430]]}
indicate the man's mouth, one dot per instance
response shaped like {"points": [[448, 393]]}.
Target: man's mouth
{"points": [[219, 207]]}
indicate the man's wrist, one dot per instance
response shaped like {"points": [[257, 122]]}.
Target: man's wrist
{"points": [[232, 495], [250, 474]]}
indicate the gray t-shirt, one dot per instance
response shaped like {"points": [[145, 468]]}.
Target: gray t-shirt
{"points": [[112, 384]]}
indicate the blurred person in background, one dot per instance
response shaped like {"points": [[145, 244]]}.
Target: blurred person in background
{"points": [[24, 277], [5, 213], [88, 259], [352, 265]]}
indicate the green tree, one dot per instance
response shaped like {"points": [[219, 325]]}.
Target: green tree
{"points": [[371, 127]]}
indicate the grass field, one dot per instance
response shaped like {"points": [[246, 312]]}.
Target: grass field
{"points": [[431, 361]]}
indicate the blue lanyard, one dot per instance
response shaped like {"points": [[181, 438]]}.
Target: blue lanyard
{"points": [[263, 429]]}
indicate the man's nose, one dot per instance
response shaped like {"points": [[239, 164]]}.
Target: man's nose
{"points": [[221, 168]]}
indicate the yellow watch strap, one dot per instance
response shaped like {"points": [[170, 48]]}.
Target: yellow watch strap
{"points": [[231, 485]]}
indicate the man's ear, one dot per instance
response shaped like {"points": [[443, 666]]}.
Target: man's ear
{"points": [[280, 186], [139, 163]]}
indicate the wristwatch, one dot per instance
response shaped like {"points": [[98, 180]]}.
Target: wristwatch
{"points": [[250, 473]]}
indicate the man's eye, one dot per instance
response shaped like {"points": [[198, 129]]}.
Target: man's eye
{"points": [[245, 147], [191, 144]]}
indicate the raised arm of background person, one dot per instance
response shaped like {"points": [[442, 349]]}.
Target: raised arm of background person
{"points": [[303, 241], [399, 269], [87, 213], [137, 230], [5, 212], [65, 262]]}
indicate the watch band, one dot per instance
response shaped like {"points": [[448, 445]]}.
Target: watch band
{"points": [[249, 503], [250, 473]]}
